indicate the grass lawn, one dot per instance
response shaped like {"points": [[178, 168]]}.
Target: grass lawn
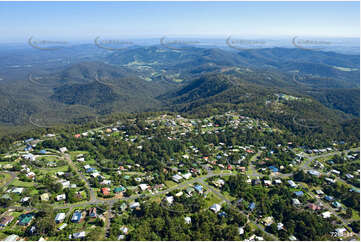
{"points": [[169, 183], [4, 178], [73, 154], [212, 199], [355, 215], [18, 183]]}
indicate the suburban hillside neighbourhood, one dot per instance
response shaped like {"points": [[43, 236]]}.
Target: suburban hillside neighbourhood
{"points": [[167, 177]]}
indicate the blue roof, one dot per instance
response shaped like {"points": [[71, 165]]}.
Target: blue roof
{"points": [[274, 169], [199, 188], [299, 193], [91, 169], [43, 152], [329, 198], [76, 216], [222, 214], [252, 206], [29, 140]]}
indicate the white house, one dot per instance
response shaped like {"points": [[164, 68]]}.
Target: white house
{"points": [[134, 205], [59, 217], [215, 208], [169, 199], [79, 235], [63, 149], [143, 186], [177, 178], [66, 184], [60, 197], [326, 214], [187, 175], [187, 220]]}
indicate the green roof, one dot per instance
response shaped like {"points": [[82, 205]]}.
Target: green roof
{"points": [[25, 219]]}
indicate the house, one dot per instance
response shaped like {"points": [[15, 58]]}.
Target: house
{"points": [[59, 218], [143, 186], [25, 199], [336, 204], [314, 173], [65, 184], [60, 173], [29, 157], [187, 220], [252, 206], [93, 212], [80, 159], [335, 172], [79, 235], [273, 169], [4, 221], [63, 149], [280, 226], [187, 175], [179, 194], [268, 221], [242, 168], [134, 205], [222, 214], [319, 192], [106, 191], [124, 229], [215, 208], [219, 183], [267, 183], [106, 182], [169, 199], [44, 197], [60, 197], [12, 237], [25, 219], [198, 188], [340, 231], [119, 189], [299, 193], [121, 237], [326, 214], [296, 202], [330, 180], [190, 190], [328, 198], [240, 230], [76, 217], [278, 181], [314, 207], [177, 178], [292, 238], [292, 183], [63, 226], [349, 176]]}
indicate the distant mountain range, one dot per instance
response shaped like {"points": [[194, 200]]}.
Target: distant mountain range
{"points": [[156, 78]]}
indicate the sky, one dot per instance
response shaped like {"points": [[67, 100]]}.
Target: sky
{"points": [[86, 20]]}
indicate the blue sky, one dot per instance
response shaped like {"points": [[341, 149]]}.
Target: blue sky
{"points": [[86, 20]]}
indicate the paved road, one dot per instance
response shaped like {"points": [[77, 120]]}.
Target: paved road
{"points": [[87, 185]]}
